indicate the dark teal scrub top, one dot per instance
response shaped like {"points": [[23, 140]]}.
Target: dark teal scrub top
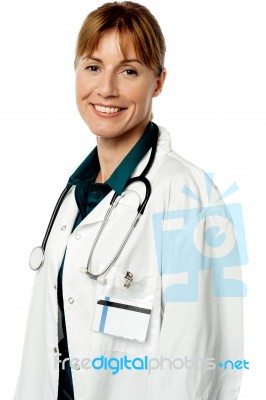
{"points": [[88, 195]]}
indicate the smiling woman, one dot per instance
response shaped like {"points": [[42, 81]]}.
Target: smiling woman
{"points": [[136, 304], [115, 90], [119, 69]]}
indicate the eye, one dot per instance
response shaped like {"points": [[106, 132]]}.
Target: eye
{"points": [[130, 72], [92, 68]]}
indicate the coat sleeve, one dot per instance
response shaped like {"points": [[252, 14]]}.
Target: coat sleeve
{"points": [[201, 339]]}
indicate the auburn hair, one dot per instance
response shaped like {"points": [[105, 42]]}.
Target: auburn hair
{"points": [[126, 16]]}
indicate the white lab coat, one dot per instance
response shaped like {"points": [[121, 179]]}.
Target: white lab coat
{"points": [[188, 327]]}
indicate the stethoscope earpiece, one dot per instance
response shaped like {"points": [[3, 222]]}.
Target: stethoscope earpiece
{"points": [[83, 270], [102, 280]]}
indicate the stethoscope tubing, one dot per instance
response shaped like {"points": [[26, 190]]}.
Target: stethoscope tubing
{"points": [[54, 215], [37, 255], [39, 252]]}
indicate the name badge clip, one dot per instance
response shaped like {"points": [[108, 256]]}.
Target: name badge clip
{"points": [[128, 279]]}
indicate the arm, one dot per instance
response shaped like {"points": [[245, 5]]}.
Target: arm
{"points": [[202, 324]]}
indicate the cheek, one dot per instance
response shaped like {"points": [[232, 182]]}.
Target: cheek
{"points": [[78, 89], [144, 96], [82, 87]]}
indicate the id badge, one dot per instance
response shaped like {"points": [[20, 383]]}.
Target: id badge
{"points": [[122, 317]]}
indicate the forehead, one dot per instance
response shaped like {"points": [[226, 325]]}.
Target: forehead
{"points": [[113, 42]]}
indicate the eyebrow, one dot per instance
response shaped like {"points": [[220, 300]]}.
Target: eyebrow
{"points": [[124, 61]]}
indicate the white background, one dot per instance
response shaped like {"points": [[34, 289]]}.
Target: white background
{"points": [[214, 104]]}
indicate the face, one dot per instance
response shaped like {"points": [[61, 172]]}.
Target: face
{"points": [[114, 92]]}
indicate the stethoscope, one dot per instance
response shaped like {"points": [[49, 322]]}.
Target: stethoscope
{"points": [[37, 256]]}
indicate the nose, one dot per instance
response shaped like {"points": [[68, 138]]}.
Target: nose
{"points": [[108, 85]]}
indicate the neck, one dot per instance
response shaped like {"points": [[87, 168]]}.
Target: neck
{"points": [[111, 151]]}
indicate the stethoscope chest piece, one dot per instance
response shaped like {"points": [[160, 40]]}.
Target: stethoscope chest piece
{"points": [[36, 258]]}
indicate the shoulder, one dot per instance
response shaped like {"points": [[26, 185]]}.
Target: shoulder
{"points": [[179, 177], [172, 160]]}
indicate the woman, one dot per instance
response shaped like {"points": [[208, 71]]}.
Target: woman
{"points": [[138, 331]]}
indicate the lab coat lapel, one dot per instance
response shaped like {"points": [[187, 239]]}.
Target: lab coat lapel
{"points": [[98, 213], [163, 147]]}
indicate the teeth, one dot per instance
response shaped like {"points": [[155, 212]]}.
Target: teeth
{"points": [[107, 110]]}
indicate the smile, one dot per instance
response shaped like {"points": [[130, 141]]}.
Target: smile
{"points": [[107, 110]]}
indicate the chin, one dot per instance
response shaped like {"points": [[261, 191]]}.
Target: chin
{"points": [[104, 132]]}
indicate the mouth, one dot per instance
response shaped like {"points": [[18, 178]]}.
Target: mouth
{"points": [[113, 110]]}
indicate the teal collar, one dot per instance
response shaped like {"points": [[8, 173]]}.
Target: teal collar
{"points": [[89, 168]]}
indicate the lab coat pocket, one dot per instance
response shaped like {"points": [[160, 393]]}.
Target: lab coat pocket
{"points": [[126, 319], [122, 318]]}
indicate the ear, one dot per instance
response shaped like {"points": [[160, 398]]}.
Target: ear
{"points": [[159, 83]]}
